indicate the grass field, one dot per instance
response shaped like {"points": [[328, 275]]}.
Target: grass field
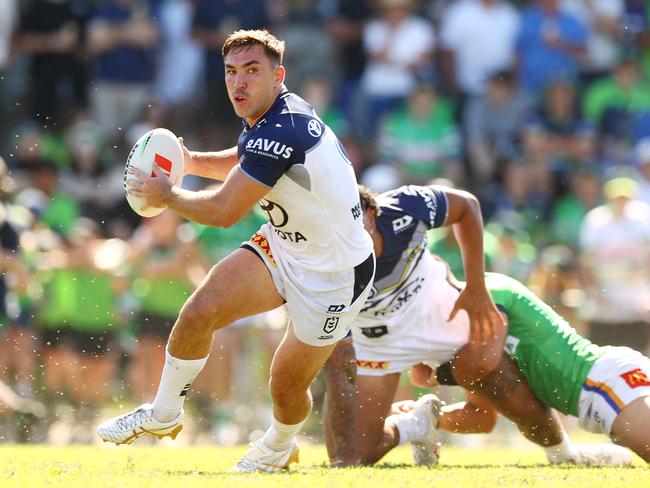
{"points": [[132, 466]]}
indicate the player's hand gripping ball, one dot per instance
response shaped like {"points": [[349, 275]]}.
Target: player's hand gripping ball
{"points": [[159, 147]]}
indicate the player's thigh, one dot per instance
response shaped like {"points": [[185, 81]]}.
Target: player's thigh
{"points": [[295, 364], [375, 395], [238, 286], [631, 428]]}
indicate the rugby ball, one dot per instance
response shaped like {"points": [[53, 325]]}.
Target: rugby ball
{"points": [[161, 147]]}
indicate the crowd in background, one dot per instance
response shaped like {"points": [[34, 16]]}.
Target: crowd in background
{"points": [[540, 107]]}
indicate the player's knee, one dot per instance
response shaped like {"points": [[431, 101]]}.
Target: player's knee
{"points": [[285, 393], [200, 314]]}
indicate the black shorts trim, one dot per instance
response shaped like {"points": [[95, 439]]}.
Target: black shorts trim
{"points": [[363, 274], [247, 246]]}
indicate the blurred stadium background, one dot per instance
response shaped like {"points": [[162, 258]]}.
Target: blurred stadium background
{"points": [[540, 107]]}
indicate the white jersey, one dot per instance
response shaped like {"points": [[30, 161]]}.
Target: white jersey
{"points": [[313, 206], [404, 320]]}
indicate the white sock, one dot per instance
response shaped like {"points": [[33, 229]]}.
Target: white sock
{"points": [[562, 452], [176, 379], [279, 436], [407, 425]]}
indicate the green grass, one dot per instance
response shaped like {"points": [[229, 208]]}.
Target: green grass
{"points": [[191, 467]]}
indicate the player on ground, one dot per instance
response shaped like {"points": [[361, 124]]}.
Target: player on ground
{"points": [[399, 297], [404, 323], [314, 254], [607, 388]]}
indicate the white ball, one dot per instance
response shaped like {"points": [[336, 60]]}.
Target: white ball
{"points": [[162, 147]]}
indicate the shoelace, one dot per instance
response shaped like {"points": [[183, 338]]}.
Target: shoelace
{"points": [[131, 419]]}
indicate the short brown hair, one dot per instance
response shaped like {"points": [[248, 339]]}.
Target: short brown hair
{"points": [[244, 39], [369, 200]]}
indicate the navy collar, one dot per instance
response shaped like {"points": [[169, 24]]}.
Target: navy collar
{"points": [[276, 104]]}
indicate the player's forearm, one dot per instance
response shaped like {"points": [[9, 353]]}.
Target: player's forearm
{"points": [[214, 165], [204, 207], [469, 235], [340, 378]]}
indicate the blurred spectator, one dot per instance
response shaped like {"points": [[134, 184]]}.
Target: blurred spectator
{"points": [[162, 259], [318, 91], [556, 133], [550, 45], [91, 179], [635, 26], [180, 60], [214, 20], [345, 22], [615, 260], [493, 123], [642, 160], [309, 50], [620, 107], [8, 15], [80, 321], [45, 198], [524, 193], [421, 139], [478, 39], [514, 255], [602, 19], [8, 18], [122, 37], [399, 46], [585, 192], [50, 31], [556, 278]]}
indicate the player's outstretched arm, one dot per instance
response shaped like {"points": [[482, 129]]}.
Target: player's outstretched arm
{"points": [[340, 405], [214, 165], [464, 214]]}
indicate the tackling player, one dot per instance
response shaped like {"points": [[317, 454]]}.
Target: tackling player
{"points": [[607, 388], [405, 323], [313, 254]]}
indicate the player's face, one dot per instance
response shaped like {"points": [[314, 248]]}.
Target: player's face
{"points": [[253, 81]]}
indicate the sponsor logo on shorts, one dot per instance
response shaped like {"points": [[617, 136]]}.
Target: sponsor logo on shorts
{"points": [[164, 163], [636, 378], [331, 323], [378, 365], [263, 244]]}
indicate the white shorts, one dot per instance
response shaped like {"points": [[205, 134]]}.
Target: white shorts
{"points": [[417, 333], [615, 380], [321, 306]]}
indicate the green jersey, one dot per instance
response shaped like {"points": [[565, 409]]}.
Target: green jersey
{"points": [[551, 355]]}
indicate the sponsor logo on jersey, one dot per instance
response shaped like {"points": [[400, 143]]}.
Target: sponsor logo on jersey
{"points": [[636, 378], [290, 236], [356, 211], [402, 223], [164, 163], [400, 299], [277, 215], [314, 128], [378, 365], [269, 147], [263, 243]]}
